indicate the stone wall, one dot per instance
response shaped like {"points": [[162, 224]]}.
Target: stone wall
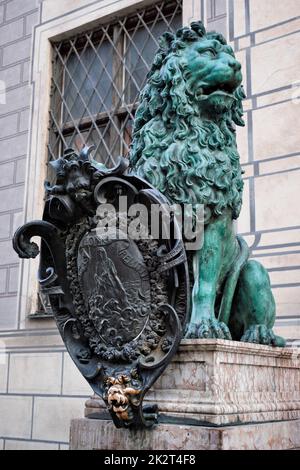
{"points": [[17, 20], [266, 40], [40, 388]]}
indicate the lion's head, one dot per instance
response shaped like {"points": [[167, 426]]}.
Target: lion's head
{"points": [[184, 139]]}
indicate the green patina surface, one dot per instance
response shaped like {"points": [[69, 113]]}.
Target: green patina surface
{"points": [[184, 144]]}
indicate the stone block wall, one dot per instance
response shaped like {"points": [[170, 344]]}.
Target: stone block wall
{"points": [[40, 391], [40, 388], [266, 40], [17, 19]]}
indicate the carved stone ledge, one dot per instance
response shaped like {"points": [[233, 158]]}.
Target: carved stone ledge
{"points": [[218, 382], [94, 434]]}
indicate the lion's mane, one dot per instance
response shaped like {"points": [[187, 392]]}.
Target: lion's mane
{"points": [[188, 158]]}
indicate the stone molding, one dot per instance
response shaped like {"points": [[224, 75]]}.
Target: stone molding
{"points": [[92, 434], [51, 30]]}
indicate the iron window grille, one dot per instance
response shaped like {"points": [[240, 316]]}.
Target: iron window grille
{"points": [[97, 77]]}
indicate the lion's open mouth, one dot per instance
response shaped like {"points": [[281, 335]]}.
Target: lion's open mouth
{"points": [[223, 88], [82, 193]]}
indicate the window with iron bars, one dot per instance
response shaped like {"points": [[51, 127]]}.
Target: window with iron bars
{"points": [[97, 78]]}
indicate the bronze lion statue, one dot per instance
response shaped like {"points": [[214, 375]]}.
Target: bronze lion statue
{"points": [[184, 144]]}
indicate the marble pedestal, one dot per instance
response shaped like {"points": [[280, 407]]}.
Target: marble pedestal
{"points": [[214, 394]]}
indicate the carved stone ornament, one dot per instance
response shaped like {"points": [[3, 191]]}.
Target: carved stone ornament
{"points": [[120, 304]]}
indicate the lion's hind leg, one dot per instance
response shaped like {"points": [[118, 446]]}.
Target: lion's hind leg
{"points": [[253, 310]]}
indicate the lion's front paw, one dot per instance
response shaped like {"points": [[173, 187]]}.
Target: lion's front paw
{"points": [[191, 331], [207, 328], [260, 334]]}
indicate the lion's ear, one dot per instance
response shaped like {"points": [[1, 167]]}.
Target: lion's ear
{"points": [[199, 28], [237, 109], [165, 41]]}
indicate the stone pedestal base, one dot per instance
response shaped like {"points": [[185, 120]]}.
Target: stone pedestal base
{"points": [[209, 386], [223, 382], [94, 434]]}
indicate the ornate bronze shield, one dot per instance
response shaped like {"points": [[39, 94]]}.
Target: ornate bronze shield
{"points": [[120, 303], [115, 283]]}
